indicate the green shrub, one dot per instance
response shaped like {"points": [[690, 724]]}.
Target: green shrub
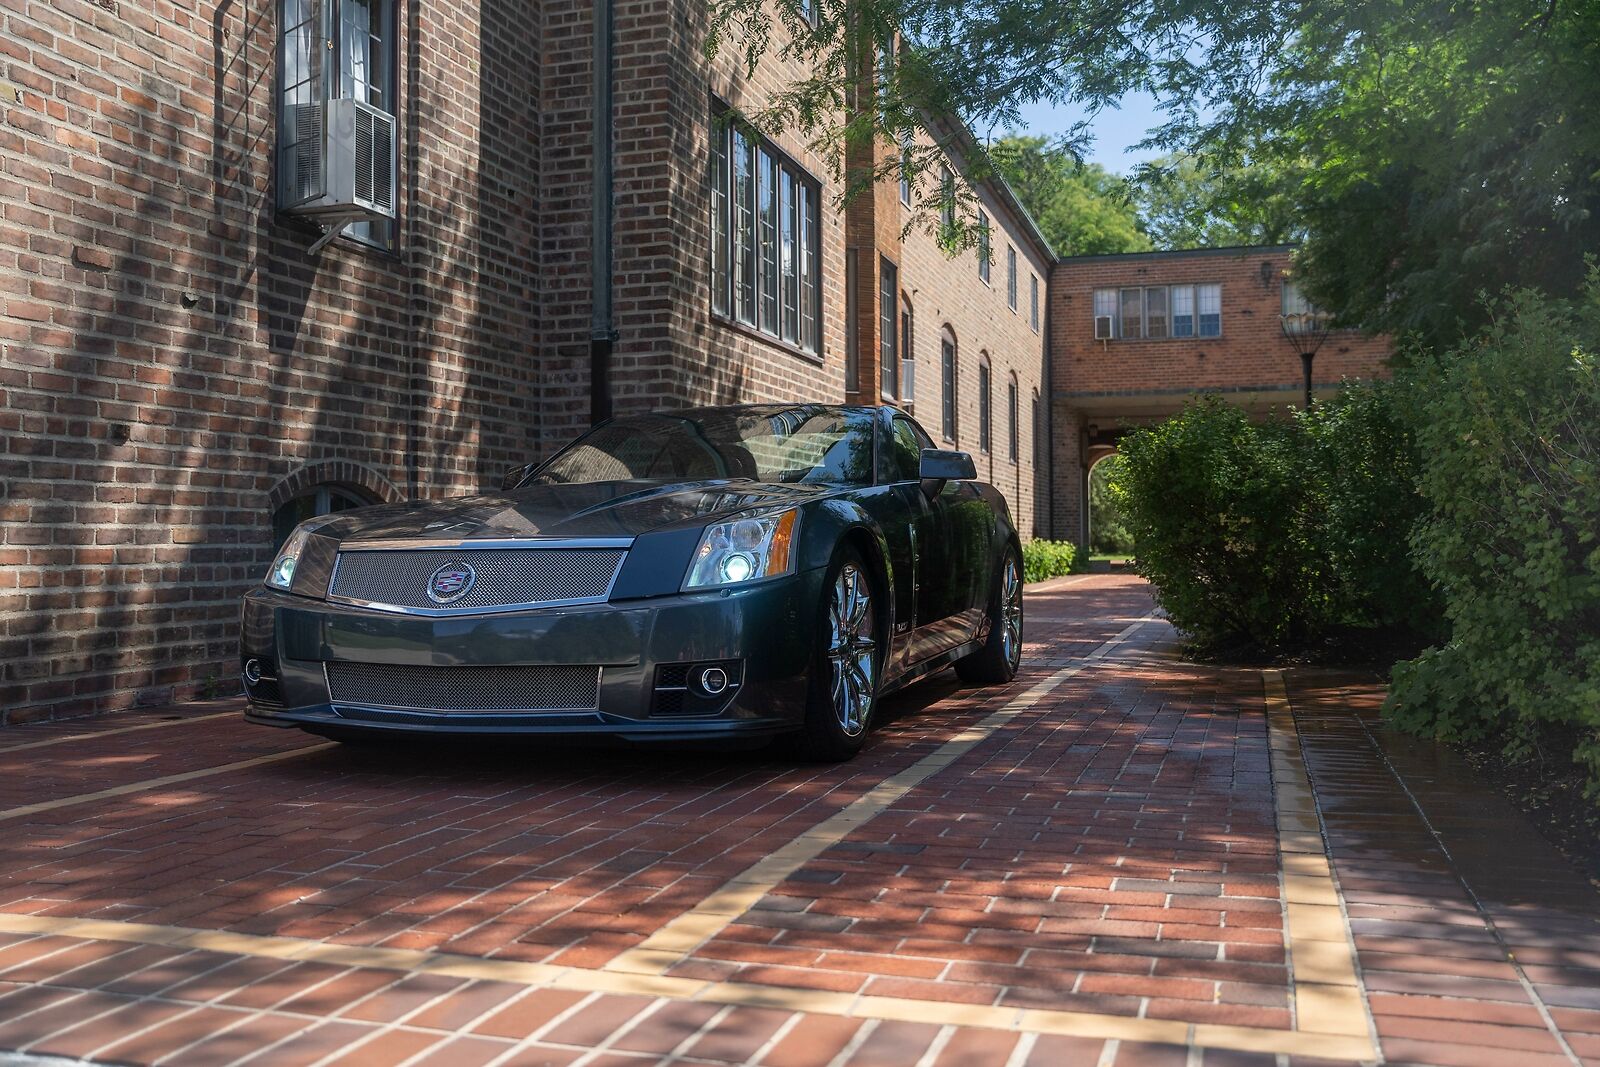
{"points": [[1279, 533], [1047, 559], [1363, 458], [1217, 507], [1510, 446], [1108, 527]]}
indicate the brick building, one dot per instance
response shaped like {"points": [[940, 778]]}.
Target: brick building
{"points": [[186, 368], [1172, 325]]}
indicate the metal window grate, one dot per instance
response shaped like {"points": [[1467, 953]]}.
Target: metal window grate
{"points": [[495, 688], [502, 577]]}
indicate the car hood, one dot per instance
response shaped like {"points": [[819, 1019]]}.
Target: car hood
{"points": [[592, 509]]}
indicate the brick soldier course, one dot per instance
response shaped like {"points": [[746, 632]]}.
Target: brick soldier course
{"points": [[1120, 858]]}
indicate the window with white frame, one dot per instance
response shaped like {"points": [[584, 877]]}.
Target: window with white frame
{"points": [[1161, 311], [1033, 301], [983, 246], [907, 390], [765, 235], [888, 315], [343, 49], [1011, 276], [1295, 302]]}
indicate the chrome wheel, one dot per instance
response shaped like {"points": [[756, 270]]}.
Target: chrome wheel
{"points": [[1011, 612], [852, 649]]}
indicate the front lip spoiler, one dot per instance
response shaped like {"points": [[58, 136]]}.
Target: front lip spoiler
{"points": [[627, 730]]}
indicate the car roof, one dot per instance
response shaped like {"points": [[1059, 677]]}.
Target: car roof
{"points": [[758, 409]]}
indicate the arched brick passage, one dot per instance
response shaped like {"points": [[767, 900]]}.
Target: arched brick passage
{"points": [[333, 472]]}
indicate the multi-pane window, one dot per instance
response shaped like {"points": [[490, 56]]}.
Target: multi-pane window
{"points": [[1156, 312], [1011, 276], [947, 387], [765, 234], [1295, 302], [341, 50], [888, 307], [947, 200], [1197, 311], [907, 382], [1033, 301], [767, 238], [1105, 303], [1011, 420], [983, 246], [985, 427]]}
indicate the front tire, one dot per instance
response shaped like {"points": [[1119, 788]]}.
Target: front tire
{"points": [[846, 663], [997, 661]]}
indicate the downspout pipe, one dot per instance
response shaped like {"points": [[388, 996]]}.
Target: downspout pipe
{"points": [[602, 328]]}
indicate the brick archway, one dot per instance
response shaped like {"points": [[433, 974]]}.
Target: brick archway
{"points": [[332, 472]]}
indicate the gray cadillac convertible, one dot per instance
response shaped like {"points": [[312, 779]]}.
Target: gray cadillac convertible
{"points": [[726, 573]]}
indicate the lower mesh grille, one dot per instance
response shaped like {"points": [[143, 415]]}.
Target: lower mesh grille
{"points": [[539, 688]]}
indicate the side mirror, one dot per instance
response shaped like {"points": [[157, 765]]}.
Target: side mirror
{"points": [[515, 475], [940, 465]]}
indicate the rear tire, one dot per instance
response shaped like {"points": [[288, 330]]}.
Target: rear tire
{"points": [[845, 664], [997, 661]]}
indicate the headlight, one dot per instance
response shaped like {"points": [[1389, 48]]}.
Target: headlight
{"points": [[281, 575], [745, 550]]}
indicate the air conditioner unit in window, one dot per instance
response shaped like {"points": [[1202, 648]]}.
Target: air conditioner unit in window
{"points": [[1102, 328], [340, 166], [908, 381]]}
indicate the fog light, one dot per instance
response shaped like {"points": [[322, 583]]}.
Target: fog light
{"points": [[713, 680], [252, 671]]}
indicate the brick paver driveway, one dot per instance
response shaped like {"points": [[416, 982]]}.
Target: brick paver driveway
{"points": [[1121, 858]]}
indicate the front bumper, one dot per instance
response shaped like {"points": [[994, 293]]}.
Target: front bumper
{"points": [[763, 630]]}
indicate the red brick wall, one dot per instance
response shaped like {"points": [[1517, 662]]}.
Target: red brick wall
{"points": [[170, 353]]}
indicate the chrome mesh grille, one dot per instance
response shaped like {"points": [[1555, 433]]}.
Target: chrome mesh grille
{"points": [[536, 688], [504, 577]]}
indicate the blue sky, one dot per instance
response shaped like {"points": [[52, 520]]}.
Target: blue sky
{"points": [[1114, 130]]}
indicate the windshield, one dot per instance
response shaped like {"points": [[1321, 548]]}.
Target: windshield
{"points": [[778, 445]]}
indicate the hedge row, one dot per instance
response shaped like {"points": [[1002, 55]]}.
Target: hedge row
{"points": [[1047, 559]]}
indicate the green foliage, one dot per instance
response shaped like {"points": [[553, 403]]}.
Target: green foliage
{"points": [[1428, 150], [1510, 439], [1108, 527], [1215, 506], [1047, 559], [1279, 533], [1361, 474], [1448, 152], [1189, 201], [1083, 209]]}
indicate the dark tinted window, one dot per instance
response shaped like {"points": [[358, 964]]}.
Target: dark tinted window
{"points": [[905, 452], [778, 445]]}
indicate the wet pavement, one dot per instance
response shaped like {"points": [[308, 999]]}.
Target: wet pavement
{"points": [[1120, 858]]}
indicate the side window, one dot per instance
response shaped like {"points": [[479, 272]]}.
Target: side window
{"points": [[907, 451]]}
